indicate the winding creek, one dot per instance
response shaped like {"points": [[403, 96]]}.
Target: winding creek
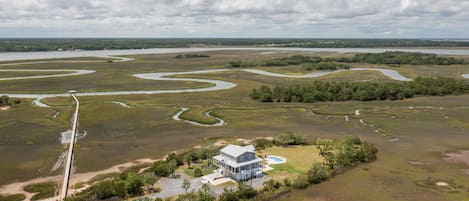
{"points": [[217, 84], [177, 117]]}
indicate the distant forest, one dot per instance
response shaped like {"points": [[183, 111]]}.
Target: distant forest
{"points": [[19, 45]]}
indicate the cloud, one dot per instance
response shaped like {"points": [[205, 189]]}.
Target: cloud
{"points": [[234, 18]]}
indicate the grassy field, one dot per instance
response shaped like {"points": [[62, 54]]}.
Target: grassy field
{"points": [[426, 127], [299, 160]]}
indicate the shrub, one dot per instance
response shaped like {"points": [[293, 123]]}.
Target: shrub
{"points": [[300, 182], [318, 173], [198, 172]]}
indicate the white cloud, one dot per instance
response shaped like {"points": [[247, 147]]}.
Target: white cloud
{"points": [[234, 18]]}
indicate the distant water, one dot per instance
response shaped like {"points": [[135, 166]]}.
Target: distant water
{"points": [[10, 56]]}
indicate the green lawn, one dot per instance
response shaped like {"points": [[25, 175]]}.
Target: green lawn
{"points": [[299, 160], [203, 166]]}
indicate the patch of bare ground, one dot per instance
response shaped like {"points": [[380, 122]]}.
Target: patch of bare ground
{"points": [[220, 143], [461, 156], [5, 108]]}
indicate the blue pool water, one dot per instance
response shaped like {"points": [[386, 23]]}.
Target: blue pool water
{"points": [[275, 159]]}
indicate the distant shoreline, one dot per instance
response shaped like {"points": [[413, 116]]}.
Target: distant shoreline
{"points": [[12, 56]]}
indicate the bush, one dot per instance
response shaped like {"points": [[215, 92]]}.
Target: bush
{"points": [[198, 172], [325, 66], [263, 143], [246, 192], [228, 195], [287, 182], [318, 173], [300, 182], [181, 56], [290, 139]]}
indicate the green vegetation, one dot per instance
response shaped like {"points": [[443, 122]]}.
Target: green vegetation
{"points": [[401, 58], [240, 64], [133, 43], [299, 160], [345, 152], [325, 66], [191, 55], [5, 101], [126, 184], [15, 197], [361, 91], [42, 190], [330, 63], [292, 60], [290, 139], [28, 134]]}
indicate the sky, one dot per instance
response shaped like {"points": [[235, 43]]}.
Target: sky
{"points": [[235, 18]]}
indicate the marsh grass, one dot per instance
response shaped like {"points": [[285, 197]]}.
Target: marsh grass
{"points": [[42, 190]]}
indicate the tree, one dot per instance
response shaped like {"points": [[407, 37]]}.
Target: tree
{"points": [[186, 185], [191, 156], [104, 190], [246, 192], [228, 195], [205, 194], [133, 185], [164, 168], [4, 100], [150, 180]]}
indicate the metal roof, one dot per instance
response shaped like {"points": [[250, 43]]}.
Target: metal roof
{"points": [[236, 150]]}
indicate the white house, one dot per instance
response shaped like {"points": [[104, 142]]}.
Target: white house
{"points": [[238, 162]]}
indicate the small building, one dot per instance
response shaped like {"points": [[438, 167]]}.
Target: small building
{"points": [[238, 162]]}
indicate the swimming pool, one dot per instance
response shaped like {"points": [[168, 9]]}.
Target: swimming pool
{"points": [[275, 159]]}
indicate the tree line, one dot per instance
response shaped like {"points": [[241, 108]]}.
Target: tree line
{"points": [[308, 62], [54, 44], [397, 58], [321, 91], [191, 55]]}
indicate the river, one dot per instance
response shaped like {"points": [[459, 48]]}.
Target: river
{"points": [[11, 56]]}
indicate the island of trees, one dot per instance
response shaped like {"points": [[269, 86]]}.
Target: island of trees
{"points": [[360, 91], [400, 58], [335, 63]]}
